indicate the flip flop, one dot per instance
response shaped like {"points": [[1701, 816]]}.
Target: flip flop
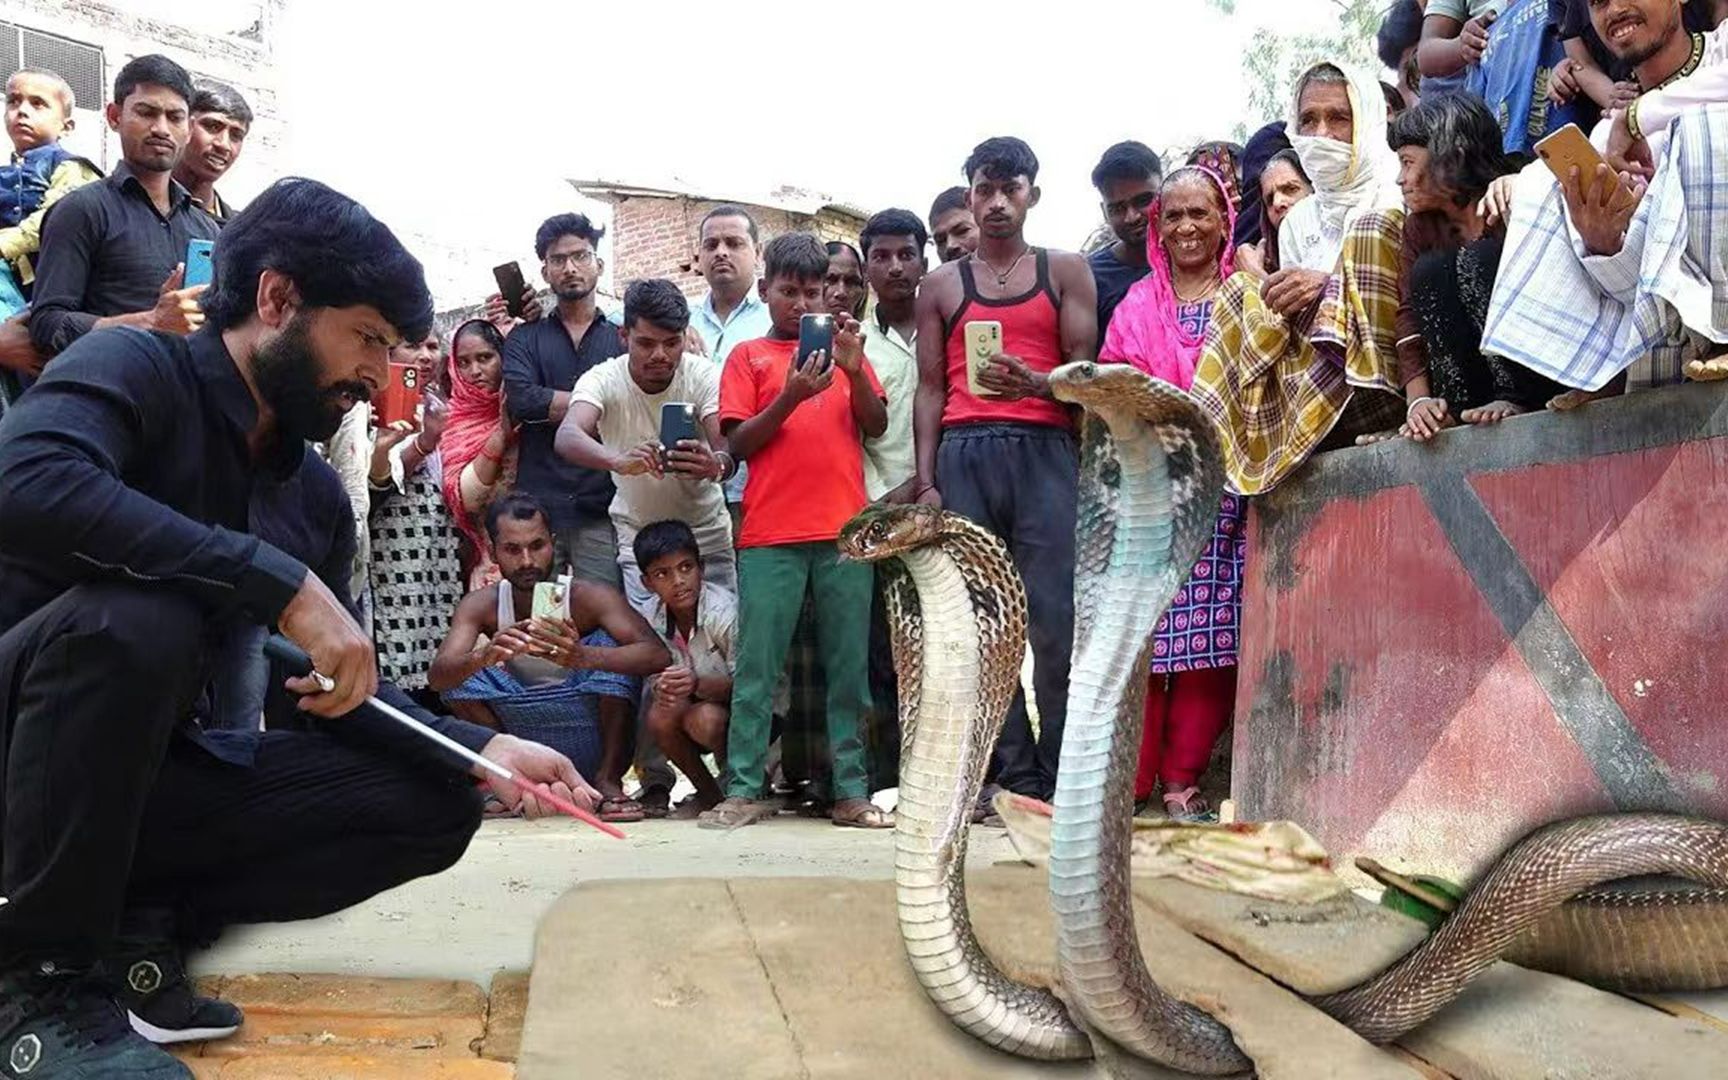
{"points": [[656, 801], [621, 809], [848, 815], [735, 813]]}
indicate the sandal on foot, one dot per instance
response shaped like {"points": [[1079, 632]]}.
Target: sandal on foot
{"points": [[620, 808], [1187, 805], [860, 814], [737, 812]]}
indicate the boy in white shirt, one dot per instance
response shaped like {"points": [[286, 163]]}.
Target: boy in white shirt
{"points": [[691, 701]]}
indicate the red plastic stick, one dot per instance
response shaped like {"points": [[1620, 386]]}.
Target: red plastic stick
{"points": [[541, 791]]}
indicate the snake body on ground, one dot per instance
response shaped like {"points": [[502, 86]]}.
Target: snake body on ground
{"points": [[1150, 488]]}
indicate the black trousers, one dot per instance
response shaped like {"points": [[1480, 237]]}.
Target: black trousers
{"points": [[1021, 481], [106, 803]]}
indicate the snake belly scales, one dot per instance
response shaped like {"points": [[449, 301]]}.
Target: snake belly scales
{"points": [[1150, 489]]}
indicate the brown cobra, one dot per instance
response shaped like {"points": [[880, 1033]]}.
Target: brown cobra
{"points": [[1149, 485]]}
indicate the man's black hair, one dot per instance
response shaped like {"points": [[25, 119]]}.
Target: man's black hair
{"points": [[952, 199], [336, 253], [1399, 30], [657, 300], [730, 210], [663, 538], [557, 227], [796, 255], [893, 222], [209, 96], [1127, 161], [517, 506], [152, 69], [1003, 158]]}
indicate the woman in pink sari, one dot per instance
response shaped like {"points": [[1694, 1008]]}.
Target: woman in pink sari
{"points": [[1159, 328], [479, 444]]}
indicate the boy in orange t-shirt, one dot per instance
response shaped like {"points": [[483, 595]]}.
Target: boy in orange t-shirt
{"points": [[802, 431]]}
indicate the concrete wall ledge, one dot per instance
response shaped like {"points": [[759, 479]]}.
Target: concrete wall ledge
{"points": [[1446, 645]]}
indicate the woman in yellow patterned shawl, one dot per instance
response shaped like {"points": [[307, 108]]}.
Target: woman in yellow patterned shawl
{"points": [[1284, 360]]}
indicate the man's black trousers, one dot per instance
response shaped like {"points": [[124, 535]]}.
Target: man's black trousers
{"points": [[106, 803]]}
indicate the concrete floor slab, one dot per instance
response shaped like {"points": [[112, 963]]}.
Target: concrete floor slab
{"points": [[478, 918]]}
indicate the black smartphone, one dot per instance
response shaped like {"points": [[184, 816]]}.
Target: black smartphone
{"points": [[511, 286], [815, 334], [677, 423]]}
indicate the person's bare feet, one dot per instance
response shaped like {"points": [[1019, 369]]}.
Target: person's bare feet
{"points": [[1714, 369], [1491, 413], [1378, 437], [1570, 400]]}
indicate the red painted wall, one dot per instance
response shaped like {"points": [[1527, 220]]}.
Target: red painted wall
{"points": [[1390, 699]]}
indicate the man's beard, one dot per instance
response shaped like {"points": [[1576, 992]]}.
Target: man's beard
{"points": [[574, 294], [286, 373], [529, 576]]}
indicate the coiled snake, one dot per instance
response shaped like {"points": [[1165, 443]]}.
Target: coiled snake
{"points": [[1150, 487]]}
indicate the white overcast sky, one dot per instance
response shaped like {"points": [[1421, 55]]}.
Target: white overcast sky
{"points": [[459, 123]]}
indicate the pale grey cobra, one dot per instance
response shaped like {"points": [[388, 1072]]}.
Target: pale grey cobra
{"points": [[1150, 487]]}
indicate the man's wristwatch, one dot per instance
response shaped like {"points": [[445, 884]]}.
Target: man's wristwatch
{"points": [[728, 466]]}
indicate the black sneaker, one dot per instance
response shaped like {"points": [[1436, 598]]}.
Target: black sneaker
{"points": [[145, 974], [59, 1024]]}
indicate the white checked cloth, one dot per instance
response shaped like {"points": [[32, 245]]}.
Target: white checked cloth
{"points": [[1661, 301]]}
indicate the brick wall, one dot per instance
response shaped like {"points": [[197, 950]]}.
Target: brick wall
{"points": [[245, 62], [656, 237]]}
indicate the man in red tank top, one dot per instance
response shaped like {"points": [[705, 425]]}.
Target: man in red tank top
{"points": [[992, 443]]}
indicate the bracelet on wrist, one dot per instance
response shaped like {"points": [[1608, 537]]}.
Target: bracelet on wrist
{"points": [[1412, 406], [1632, 126], [421, 449]]}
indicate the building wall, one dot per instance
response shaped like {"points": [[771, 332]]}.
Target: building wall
{"points": [[656, 237], [244, 61], [1447, 646]]}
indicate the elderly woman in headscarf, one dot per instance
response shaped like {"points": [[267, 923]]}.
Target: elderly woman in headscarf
{"points": [[1159, 328], [1308, 357], [479, 443]]}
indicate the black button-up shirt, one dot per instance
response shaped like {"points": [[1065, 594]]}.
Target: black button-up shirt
{"points": [[540, 360], [130, 459], [106, 251]]}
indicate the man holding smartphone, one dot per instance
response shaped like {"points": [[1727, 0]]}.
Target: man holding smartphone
{"points": [[1005, 456], [113, 252], [616, 421], [542, 361]]}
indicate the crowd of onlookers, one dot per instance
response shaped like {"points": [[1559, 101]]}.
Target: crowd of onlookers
{"points": [[1388, 260]]}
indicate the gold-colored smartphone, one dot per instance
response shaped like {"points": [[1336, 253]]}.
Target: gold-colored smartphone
{"points": [[551, 599], [1569, 147], [983, 340]]}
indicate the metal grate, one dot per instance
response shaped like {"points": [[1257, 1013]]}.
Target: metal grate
{"points": [[79, 64]]}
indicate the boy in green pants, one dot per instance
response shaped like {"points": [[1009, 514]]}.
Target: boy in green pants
{"points": [[801, 430]]}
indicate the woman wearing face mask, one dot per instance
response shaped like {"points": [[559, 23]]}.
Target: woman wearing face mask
{"points": [[1307, 359], [1455, 179], [479, 443], [1159, 328]]}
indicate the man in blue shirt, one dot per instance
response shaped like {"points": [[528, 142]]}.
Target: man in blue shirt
{"points": [[727, 251], [1127, 181], [138, 481]]}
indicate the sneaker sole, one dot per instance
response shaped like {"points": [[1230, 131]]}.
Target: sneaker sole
{"points": [[169, 1036]]}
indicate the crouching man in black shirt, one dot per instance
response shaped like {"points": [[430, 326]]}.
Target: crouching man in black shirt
{"points": [[139, 480]]}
